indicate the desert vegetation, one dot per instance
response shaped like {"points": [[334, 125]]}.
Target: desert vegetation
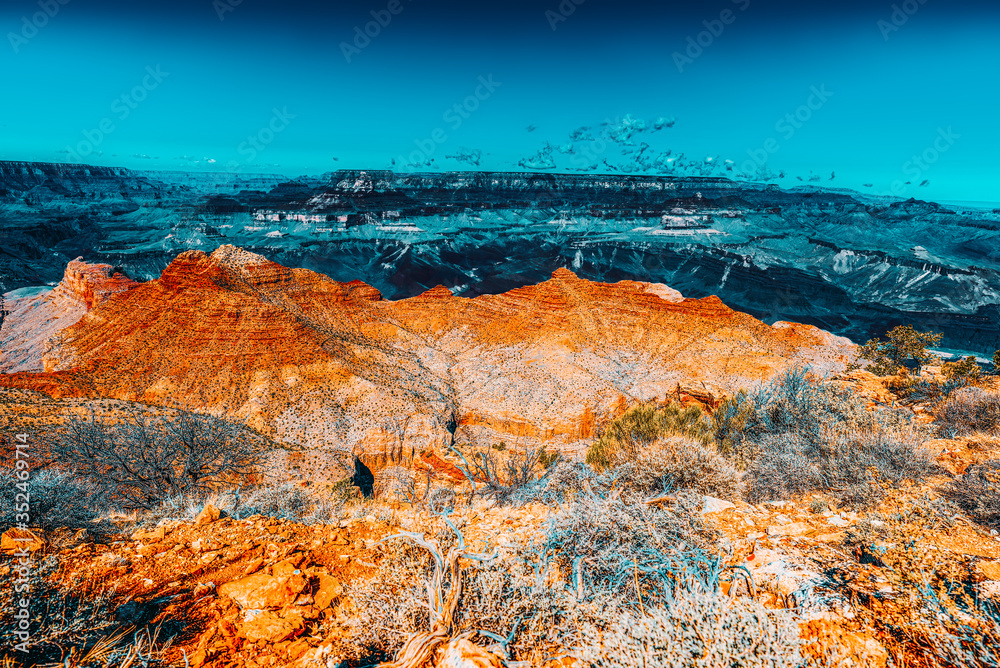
{"points": [[799, 523]]}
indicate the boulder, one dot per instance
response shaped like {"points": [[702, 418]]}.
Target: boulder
{"points": [[15, 540], [208, 515], [269, 627], [264, 591], [329, 589]]}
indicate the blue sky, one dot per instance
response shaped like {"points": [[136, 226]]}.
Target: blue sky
{"points": [[872, 93]]}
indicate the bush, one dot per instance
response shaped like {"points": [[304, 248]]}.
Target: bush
{"points": [[996, 362], [56, 500], [679, 462], [287, 501], [395, 483], [560, 483], [68, 622], [798, 434], [963, 370], [903, 344], [635, 430], [852, 464], [977, 492], [968, 410], [611, 544], [144, 458], [503, 475], [701, 629]]}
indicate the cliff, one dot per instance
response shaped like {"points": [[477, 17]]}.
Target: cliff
{"points": [[332, 365]]}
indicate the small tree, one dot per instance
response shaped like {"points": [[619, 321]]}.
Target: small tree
{"points": [[143, 458], [996, 362], [965, 369], [903, 344]]}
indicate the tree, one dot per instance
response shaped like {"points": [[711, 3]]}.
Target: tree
{"points": [[904, 344], [965, 369], [143, 458]]}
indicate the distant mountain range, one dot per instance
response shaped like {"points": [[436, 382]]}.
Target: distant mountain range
{"points": [[849, 263]]}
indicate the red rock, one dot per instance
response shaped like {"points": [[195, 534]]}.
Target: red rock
{"points": [[327, 364]]}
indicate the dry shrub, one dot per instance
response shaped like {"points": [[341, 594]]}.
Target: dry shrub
{"points": [[969, 410], [977, 492], [679, 462], [697, 628], [394, 483]]}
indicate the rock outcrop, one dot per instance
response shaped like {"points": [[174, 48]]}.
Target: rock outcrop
{"points": [[30, 320], [333, 366]]}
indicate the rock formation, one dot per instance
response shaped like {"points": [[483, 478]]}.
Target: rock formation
{"points": [[332, 366], [30, 321]]}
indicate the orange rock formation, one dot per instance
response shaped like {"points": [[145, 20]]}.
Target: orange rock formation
{"points": [[333, 366], [32, 320]]}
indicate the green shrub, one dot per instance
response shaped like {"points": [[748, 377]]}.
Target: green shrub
{"points": [[639, 427]]}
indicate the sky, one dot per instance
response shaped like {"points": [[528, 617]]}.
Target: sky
{"points": [[893, 98]]}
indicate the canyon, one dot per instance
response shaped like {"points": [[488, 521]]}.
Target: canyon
{"points": [[332, 369]]}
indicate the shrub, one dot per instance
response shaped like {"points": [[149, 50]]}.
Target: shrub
{"points": [[615, 545], [56, 500], [503, 475], [798, 434], [395, 483], [853, 464], [563, 481], [968, 410], [635, 430], [144, 458], [286, 501], [679, 462], [977, 492], [70, 624], [963, 370], [701, 629], [996, 362], [903, 344]]}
